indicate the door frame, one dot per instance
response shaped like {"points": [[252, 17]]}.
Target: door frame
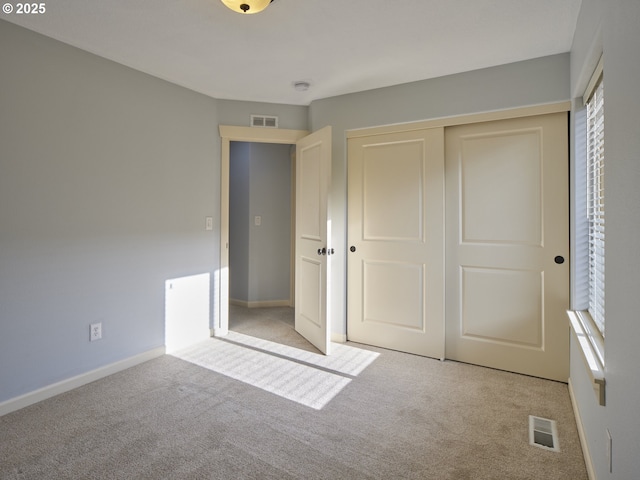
{"points": [[228, 134], [461, 119]]}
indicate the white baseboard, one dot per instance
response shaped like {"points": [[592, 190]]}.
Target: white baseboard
{"points": [[54, 389], [219, 332], [583, 439], [260, 304], [339, 337]]}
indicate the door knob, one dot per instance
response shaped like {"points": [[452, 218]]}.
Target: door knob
{"points": [[322, 251], [559, 259], [352, 248]]}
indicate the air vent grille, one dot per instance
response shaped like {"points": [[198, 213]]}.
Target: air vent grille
{"points": [[268, 121], [543, 433]]}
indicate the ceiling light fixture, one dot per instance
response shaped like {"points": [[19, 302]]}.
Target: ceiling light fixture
{"points": [[247, 6]]}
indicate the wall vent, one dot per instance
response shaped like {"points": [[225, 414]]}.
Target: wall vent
{"points": [[543, 433], [268, 121]]}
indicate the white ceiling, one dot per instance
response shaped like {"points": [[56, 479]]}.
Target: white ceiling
{"points": [[338, 46]]}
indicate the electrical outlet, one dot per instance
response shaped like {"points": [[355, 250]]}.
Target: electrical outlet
{"points": [[95, 332]]}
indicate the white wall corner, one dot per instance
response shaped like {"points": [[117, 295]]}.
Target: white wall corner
{"points": [[581, 434]]}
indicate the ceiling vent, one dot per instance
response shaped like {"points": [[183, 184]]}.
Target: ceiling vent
{"points": [[543, 433], [268, 121]]}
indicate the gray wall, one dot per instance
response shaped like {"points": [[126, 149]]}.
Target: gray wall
{"points": [[539, 81], [106, 177], [259, 256], [612, 27], [239, 207]]}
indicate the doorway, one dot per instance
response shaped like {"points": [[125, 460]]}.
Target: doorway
{"points": [[312, 237], [261, 217], [228, 134]]}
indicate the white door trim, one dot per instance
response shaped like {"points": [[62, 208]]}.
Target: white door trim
{"points": [[230, 134], [462, 119]]}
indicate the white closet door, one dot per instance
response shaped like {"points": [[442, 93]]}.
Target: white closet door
{"points": [[396, 241], [508, 245]]}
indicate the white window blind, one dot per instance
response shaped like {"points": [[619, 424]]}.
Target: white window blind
{"points": [[595, 202]]}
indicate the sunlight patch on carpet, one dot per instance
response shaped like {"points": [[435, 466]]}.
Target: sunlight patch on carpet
{"points": [[343, 359], [286, 377]]}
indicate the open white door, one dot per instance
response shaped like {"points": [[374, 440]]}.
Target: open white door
{"points": [[313, 232]]}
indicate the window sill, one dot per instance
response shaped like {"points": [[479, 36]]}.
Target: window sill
{"points": [[592, 348]]}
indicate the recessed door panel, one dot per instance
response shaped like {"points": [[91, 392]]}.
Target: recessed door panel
{"points": [[502, 306], [501, 175], [310, 193], [394, 294], [393, 195], [311, 291]]}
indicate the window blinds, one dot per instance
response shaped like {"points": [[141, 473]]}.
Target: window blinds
{"points": [[595, 202]]}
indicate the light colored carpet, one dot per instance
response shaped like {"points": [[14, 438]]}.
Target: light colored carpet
{"points": [[309, 378], [399, 416]]}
